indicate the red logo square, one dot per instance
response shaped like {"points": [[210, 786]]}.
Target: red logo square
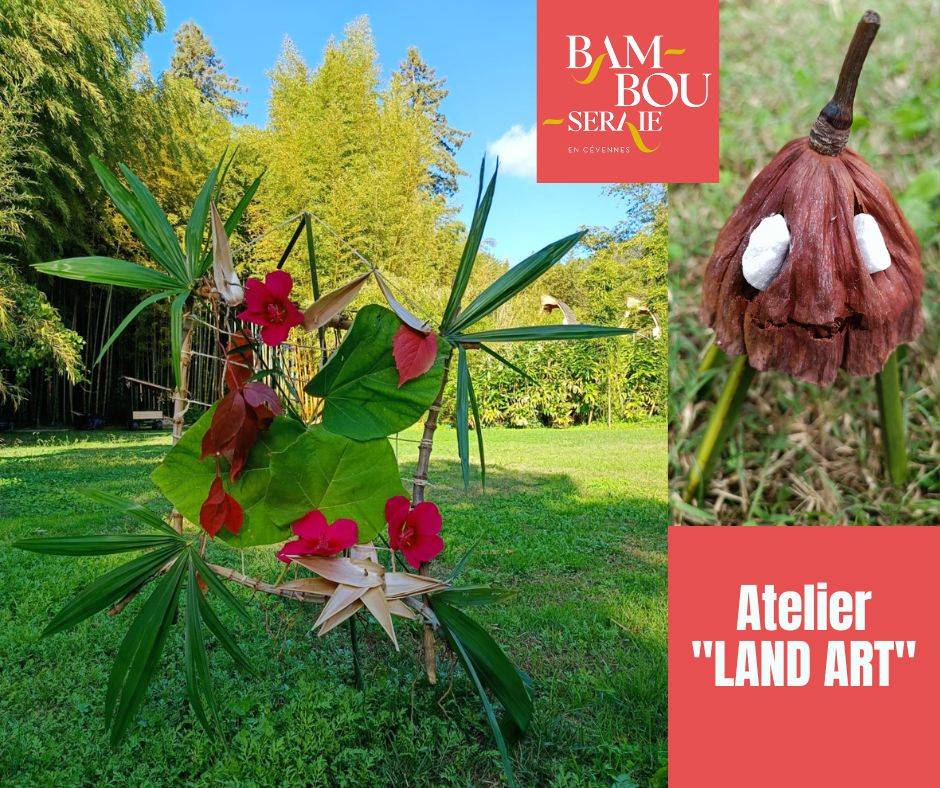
{"points": [[627, 92]]}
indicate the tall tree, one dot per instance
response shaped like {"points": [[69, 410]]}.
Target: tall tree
{"points": [[425, 92], [194, 58]]}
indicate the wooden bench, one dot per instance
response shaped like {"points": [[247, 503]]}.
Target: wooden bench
{"points": [[146, 418]]}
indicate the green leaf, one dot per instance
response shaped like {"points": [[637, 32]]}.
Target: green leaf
{"points": [[360, 382], [478, 427], [290, 471], [176, 336], [543, 333], [108, 271], [140, 653], [195, 662], [128, 320], [141, 513], [215, 585], [472, 596], [196, 227], [470, 249], [491, 663], [469, 666], [461, 564], [461, 418], [217, 628], [234, 218], [110, 588], [105, 544], [514, 280], [503, 360], [168, 253]]}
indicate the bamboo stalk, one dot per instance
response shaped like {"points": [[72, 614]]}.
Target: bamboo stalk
{"points": [[180, 395], [722, 419], [893, 438], [419, 482]]}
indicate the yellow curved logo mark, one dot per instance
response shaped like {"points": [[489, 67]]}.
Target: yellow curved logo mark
{"points": [[553, 121], [638, 140], [674, 52], [592, 74]]}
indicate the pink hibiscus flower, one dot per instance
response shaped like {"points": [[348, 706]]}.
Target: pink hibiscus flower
{"points": [[267, 305], [416, 532], [315, 536]]}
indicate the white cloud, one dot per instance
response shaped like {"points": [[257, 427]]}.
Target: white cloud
{"points": [[516, 151]]}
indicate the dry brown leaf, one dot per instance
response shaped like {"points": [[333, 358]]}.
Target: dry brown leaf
{"points": [[398, 608], [341, 570], [340, 617], [404, 315], [328, 306], [550, 303], [223, 268], [310, 585], [374, 599], [343, 596], [402, 584]]}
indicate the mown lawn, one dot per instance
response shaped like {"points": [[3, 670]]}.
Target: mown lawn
{"points": [[573, 520]]}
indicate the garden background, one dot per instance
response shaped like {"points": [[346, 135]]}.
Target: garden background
{"points": [[367, 150]]}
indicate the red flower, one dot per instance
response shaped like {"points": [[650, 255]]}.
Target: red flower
{"points": [[315, 536], [416, 532], [220, 510], [267, 305], [415, 353]]}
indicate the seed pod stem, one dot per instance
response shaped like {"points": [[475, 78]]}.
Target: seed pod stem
{"points": [[893, 438], [831, 130], [722, 419]]}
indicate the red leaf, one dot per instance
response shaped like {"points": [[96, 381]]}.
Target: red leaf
{"points": [[239, 362], [220, 510], [414, 353]]}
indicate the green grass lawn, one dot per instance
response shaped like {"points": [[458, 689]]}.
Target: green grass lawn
{"points": [[573, 520]]}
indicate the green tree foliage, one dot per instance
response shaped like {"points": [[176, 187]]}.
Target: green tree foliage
{"points": [[70, 62], [195, 59], [426, 91]]}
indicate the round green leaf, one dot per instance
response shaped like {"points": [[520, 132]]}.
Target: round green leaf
{"points": [[360, 382], [291, 470]]}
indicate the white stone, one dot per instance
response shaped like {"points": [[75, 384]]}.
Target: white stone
{"points": [[871, 243], [766, 250]]}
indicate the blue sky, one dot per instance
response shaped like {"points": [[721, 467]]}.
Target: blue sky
{"points": [[486, 51]]}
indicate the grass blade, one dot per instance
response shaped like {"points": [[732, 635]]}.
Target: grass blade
{"points": [[544, 333], [514, 280], [470, 249], [461, 417], [472, 596], [128, 320], [109, 588], [461, 564], [108, 271]]}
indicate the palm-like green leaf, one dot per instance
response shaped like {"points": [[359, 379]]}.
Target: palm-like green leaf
{"points": [[141, 219], [104, 544], [503, 360], [543, 333], [478, 427], [108, 271], [471, 247], [217, 628], [140, 652], [234, 218], [167, 251], [196, 227], [195, 661], [514, 280], [112, 587], [463, 439], [215, 585], [141, 513], [130, 319], [472, 596]]}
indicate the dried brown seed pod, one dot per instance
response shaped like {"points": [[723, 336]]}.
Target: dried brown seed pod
{"points": [[822, 310]]}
